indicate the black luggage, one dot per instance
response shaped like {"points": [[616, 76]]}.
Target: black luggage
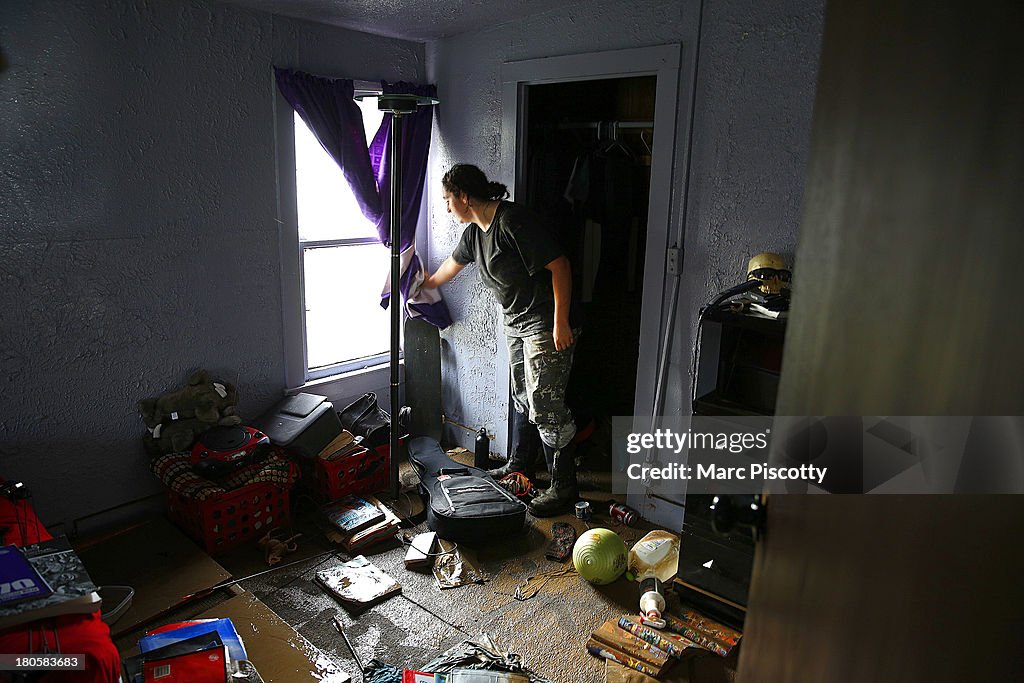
{"points": [[303, 424], [363, 417], [466, 504]]}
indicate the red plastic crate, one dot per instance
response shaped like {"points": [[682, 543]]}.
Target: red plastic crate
{"points": [[364, 471], [233, 518]]}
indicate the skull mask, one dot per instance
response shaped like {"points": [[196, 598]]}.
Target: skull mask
{"points": [[771, 271]]}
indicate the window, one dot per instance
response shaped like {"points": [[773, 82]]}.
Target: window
{"points": [[343, 266]]}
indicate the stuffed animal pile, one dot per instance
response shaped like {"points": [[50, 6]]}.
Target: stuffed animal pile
{"points": [[175, 419]]}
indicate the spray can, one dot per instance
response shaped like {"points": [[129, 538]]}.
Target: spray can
{"points": [[652, 602], [621, 513], [482, 450]]}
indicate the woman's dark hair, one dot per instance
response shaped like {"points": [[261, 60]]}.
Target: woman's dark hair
{"points": [[471, 180]]}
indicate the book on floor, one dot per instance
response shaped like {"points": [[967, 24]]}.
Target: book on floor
{"points": [[377, 532], [619, 673], [420, 554], [352, 513], [73, 591], [358, 582], [599, 649], [205, 665], [410, 676]]}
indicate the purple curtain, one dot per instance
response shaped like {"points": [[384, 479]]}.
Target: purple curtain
{"points": [[328, 108]]}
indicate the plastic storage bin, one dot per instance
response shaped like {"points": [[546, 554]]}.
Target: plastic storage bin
{"points": [[365, 471], [236, 517]]}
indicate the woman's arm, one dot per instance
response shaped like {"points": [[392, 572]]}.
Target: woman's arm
{"points": [[449, 269], [561, 283]]}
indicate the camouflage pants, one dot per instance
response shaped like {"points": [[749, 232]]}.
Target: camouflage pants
{"points": [[539, 376]]}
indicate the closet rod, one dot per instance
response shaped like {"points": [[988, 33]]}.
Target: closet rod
{"points": [[596, 124]]}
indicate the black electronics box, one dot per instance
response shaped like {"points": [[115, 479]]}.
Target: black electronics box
{"points": [[739, 363], [302, 424], [715, 568]]}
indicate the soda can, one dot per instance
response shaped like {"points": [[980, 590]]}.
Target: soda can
{"points": [[583, 510], [622, 514]]}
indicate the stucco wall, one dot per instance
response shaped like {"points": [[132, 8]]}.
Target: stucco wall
{"points": [[139, 238], [755, 91]]}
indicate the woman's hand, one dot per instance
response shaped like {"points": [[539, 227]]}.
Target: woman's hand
{"points": [[449, 269], [563, 335]]}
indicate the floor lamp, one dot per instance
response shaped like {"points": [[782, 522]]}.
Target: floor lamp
{"points": [[398, 105]]}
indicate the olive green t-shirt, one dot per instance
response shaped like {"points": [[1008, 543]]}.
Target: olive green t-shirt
{"points": [[512, 255]]}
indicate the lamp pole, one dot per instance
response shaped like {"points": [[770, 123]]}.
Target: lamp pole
{"points": [[395, 154], [398, 106]]}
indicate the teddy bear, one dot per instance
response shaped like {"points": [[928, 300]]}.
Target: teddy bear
{"points": [[176, 418]]}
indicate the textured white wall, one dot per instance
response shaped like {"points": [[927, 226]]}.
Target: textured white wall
{"points": [[755, 91], [139, 237]]}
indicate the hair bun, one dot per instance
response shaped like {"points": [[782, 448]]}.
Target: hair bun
{"points": [[497, 190]]}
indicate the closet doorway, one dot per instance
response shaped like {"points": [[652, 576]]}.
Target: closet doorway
{"points": [[588, 167], [590, 141]]}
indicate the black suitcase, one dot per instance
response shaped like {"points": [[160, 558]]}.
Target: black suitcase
{"points": [[466, 504], [303, 424]]}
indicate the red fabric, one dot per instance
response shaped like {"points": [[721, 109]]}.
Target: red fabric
{"points": [[19, 524], [78, 634]]}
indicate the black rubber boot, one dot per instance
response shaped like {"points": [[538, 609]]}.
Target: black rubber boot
{"points": [[526, 443], [562, 495]]}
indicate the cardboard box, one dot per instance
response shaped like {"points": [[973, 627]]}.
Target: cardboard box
{"points": [[155, 559]]}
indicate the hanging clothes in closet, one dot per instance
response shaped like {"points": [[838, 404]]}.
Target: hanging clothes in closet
{"points": [[589, 187]]}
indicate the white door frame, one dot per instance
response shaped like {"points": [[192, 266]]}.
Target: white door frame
{"points": [[662, 61]]}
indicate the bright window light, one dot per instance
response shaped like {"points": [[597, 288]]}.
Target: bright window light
{"points": [[344, 265], [344, 320]]}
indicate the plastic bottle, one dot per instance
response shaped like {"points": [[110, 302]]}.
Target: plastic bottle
{"points": [[482, 450], [651, 551]]}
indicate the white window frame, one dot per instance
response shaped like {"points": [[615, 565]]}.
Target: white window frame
{"points": [[293, 305]]}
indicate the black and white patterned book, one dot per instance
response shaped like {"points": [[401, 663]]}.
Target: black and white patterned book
{"points": [[73, 591]]}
